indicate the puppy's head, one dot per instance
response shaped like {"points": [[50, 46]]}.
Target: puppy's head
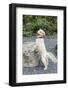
{"points": [[40, 33]]}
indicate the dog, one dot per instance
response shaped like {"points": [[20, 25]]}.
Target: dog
{"points": [[41, 49]]}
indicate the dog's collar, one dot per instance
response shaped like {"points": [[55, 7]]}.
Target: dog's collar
{"points": [[40, 37]]}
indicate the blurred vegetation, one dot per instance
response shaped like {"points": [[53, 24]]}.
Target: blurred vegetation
{"points": [[31, 24]]}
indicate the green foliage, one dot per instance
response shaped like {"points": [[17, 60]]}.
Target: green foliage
{"points": [[27, 33], [31, 24]]}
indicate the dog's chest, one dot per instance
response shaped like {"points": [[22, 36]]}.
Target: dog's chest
{"points": [[40, 44]]}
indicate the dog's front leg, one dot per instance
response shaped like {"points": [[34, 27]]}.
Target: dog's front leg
{"points": [[36, 49]]}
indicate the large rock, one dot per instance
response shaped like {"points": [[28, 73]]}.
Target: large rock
{"points": [[30, 57]]}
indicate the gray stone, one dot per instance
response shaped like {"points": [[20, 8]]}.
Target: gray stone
{"points": [[30, 57]]}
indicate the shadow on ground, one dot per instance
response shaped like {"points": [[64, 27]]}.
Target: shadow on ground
{"points": [[52, 68]]}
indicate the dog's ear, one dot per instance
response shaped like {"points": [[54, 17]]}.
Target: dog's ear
{"points": [[43, 33]]}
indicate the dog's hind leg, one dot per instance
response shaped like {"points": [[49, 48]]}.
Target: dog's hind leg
{"points": [[44, 61], [46, 66]]}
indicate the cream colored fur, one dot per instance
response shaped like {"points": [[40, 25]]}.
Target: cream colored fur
{"points": [[41, 48]]}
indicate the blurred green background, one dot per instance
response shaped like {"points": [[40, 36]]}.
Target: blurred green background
{"points": [[32, 23]]}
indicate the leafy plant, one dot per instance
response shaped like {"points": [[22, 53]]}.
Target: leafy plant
{"points": [[31, 24]]}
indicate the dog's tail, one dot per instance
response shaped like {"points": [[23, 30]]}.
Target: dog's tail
{"points": [[51, 57]]}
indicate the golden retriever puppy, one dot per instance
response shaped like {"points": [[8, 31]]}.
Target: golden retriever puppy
{"points": [[41, 48]]}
